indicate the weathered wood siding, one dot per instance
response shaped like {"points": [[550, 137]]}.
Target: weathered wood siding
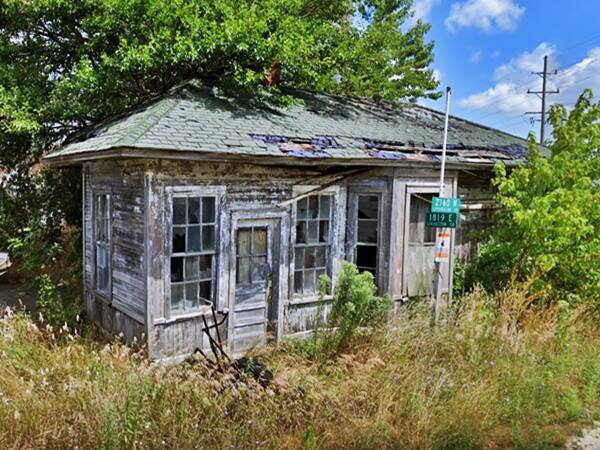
{"points": [[124, 310]]}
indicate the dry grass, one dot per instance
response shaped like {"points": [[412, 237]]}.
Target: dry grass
{"points": [[508, 376]]}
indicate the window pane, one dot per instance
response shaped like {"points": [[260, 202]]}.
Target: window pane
{"points": [[313, 206], [193, 239], [177, 297], [179, 210], [430, 235], [260, 241], [309, 282], [206, 291], [191, 267], [298, 282], [205, 267], [321, 260], [302, 208], [178, 239], [194, 210], [243, 270], [102, 267], [208, 238], [208, 209], [259, 268], [367, 231], [367, 206], [366, 256], [309, 257], [176, 269], [301, 232], [313, 231], [324, 231], [244, 236], [299, 258], [325, 206], [318, 275], [191, 295]]}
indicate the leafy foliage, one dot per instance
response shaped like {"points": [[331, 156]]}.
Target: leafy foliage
{"points": [[549, 223], [355, 308]]}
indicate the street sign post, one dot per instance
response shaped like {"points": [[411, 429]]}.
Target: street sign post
{"points": [[445, 205], [441, 220]]}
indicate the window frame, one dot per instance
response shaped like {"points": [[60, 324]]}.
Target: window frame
{"points": [[97, 192], [334, 255], [173, 192], [372, 187]]}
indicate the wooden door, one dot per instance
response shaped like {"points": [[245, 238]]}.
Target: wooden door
{"points": [[420, 266], [255, 312]]}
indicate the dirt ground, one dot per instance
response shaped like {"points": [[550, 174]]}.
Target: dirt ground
{"points": [[17, 296], [589, 439]]}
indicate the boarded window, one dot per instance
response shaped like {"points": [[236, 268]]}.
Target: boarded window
{"points": [[102, 242], [313, 243], [420, 205], [366, 250], [193, 252]]}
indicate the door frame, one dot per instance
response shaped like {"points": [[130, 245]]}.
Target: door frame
{"points": [[280, 263]]}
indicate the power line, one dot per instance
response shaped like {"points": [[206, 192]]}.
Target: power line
{"points": [[544, 92]]}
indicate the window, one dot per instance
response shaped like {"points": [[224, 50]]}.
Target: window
{"points": [[367, 234], [313, 243], [420, 205], [251, 257], [102, 242], [193, 251]]}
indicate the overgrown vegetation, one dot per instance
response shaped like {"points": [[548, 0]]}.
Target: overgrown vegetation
{"points": [[502, 373], [548, 226], [355, 309]]}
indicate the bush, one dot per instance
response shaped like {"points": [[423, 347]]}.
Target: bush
{"points": [[548, 226], [355, 308]]}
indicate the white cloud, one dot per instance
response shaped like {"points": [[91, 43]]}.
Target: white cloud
{"points": [[509, 93], [422, 8], [476, 57], [488, 15], [437, 75]]}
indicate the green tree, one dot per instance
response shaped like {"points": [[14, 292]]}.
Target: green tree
{"points": [[65, 64], [549, 222]]}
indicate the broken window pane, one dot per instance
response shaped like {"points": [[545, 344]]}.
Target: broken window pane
{"points": [[179, 210], [194, 210], [176, 269], [178, 239], [301, 232], [368, 206], [366, 256], [309, 257], [208, 238], [193, 239], [206, 291], [208, 209], [191, 295], [191, 267]]}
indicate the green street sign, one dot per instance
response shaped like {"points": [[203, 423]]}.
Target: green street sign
{"points": [[445, 205], [441, 220]]}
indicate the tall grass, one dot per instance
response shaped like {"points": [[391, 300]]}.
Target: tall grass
{"points": [[500, 373]]}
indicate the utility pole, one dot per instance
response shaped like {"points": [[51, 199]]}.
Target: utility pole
{"points": [[542, 95]]}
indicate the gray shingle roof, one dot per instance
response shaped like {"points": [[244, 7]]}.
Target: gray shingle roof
{"points": [[205, 120]]}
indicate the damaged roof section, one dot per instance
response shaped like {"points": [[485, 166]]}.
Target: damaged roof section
{"points": [[206, 120]]}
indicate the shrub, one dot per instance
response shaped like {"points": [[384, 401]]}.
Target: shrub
{"points": [[548, 225]]}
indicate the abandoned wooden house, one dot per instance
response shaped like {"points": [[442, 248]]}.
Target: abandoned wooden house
{"points": [[203, 197]]}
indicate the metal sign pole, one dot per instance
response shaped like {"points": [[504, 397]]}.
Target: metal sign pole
{"points": [[438, 265]]}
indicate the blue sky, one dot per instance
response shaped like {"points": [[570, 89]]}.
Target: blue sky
{"points": [[486, 49]]}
